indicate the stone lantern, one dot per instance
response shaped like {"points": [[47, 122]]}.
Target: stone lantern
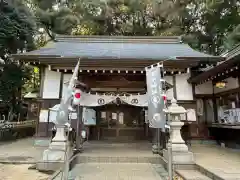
{"points": [[180, 152], [59, 149]]}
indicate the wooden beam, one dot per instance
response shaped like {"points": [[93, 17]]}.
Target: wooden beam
{"points": [[216, 71], [71, 62], [114, 77], [231, 91], [111, 84], [118, 89]]}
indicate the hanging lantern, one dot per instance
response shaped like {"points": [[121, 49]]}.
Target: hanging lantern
{"points": [[221, 84]]}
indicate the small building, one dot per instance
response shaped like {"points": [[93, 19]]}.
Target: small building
{"points": [[115, 66], [217, 91]]}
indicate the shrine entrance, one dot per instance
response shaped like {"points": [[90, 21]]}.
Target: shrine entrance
{"points": [[119, 122]]}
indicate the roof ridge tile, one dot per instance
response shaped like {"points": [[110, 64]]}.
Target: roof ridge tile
{"points": [[119, 39]]}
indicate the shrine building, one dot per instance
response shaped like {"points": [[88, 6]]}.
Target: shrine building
{"points": [[113, 67], [217, 93]]}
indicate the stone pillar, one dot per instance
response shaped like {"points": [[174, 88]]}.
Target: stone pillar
{"points": [[60, 136], [180, 152]]}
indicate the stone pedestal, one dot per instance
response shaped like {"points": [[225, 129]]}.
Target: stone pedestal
{"points": [[180, 152], [54, 157], [179, 157]]}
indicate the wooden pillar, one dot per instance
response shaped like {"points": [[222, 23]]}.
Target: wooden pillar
{"points": [[238, 94], [42, 77], [117, 129], [98, 118], [215, 108], [61, 86], [174, 87], [205, 110]]}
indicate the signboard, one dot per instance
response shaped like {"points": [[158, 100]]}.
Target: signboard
{"points": [[43, 116], [156, 115], [89, 116]]}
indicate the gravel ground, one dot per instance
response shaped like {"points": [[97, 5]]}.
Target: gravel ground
{"points": [[20, 172]]}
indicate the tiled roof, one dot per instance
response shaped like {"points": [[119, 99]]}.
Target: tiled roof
{"points": [[115, 47], [231, 59]]}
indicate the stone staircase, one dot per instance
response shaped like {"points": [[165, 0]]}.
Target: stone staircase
{"points": [[186, 172], [120, 154], [197, 172], [118, 159], [191, 174], [136, 154]]}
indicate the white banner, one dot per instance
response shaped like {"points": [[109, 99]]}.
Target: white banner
{"points": [[135, 100], [155, 99], [91, 100]]}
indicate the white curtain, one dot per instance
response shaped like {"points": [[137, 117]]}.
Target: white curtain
{"points": [[90, 100], [135, 100]]}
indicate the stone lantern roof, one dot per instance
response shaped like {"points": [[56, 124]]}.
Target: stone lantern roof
{"points": [[174, 108]]}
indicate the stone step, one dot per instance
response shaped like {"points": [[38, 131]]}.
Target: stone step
{"points": [[119, 159], [115, 171], [218, 174], [191, 174]]}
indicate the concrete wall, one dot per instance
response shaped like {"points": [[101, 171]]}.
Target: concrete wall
{"points": [[51, 86], [183, 88], [206, 88]]}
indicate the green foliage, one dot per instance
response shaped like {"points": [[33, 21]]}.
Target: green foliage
{"points": [[17, 28], [203, 24], [16, 34], [112, 17], [32, 83], [12, 79], [233, 38], [56, 21], [213, 20]]}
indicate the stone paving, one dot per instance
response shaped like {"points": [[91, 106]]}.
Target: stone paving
{"points": [[223, 162], [20, 151], [15, 159], [17, 172]]}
